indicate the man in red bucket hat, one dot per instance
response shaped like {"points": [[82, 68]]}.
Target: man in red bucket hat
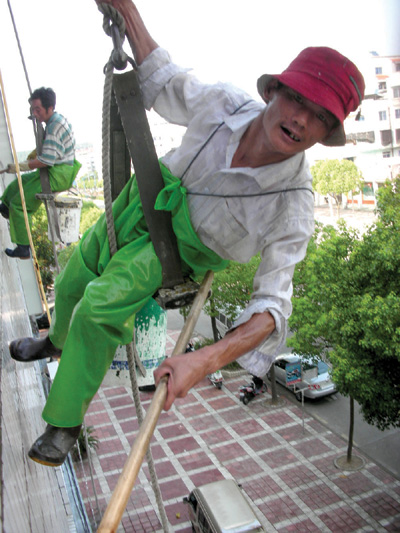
{"points": [[238, 185], [326, 78]]}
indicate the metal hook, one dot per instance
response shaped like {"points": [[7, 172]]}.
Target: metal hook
{"points": [[118, 57]]}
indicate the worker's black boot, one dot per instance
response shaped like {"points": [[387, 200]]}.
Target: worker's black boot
{"points": [[29, 349], [4, 211], [51, 448], [22, 251]]}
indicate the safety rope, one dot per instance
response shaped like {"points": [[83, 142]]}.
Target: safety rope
{"points": [[111, 15], [19, 47]]}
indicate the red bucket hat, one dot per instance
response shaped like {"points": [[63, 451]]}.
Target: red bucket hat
{"points": [[328, 79]]}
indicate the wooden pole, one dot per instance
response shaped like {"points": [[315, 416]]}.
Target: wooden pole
{"points": [[126, 481]]}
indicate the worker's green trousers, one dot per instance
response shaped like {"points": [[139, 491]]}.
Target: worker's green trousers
{"points": [[61, 178], [97, 297]]}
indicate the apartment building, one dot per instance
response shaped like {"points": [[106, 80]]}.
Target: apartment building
{"points": [[373, 131]]}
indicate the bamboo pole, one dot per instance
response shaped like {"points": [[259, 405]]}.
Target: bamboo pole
{"points": [[126, 481]]}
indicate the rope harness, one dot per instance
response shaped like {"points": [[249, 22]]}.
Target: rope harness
{"points": [[114, 26]]}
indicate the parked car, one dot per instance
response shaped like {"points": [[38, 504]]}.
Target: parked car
{"points": [[314, 377], [221, 507]]}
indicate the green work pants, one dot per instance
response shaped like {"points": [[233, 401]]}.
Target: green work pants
{"points": [[97, 297], [61, 178]]}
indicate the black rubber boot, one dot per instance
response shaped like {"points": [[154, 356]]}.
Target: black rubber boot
{"points": [[4, 211], [52, 448], [29, 349], [22, 251]]}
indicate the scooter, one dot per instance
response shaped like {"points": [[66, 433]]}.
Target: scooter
{"points": [[250, 391], [216, 379]]}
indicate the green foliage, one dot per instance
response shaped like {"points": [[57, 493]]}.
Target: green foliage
{"points": [[232, 289], [43, 248], [334, 178], [346, 306], [80, 448], [65, 254], [388, 202], [89, 182], [90, 213]]}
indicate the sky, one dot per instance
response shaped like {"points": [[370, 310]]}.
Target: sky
{"points": [[65, 47]]}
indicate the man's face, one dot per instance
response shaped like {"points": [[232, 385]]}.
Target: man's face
{"points": [[293, 123], [39, 112]]}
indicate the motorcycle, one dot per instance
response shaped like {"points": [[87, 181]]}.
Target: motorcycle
{"points": [[249, 391], [216, 379]]}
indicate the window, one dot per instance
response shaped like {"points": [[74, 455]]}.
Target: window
{"points": [[368, 189], [386, 137], [397, 135], [396, 91], [382, 115], [397, 67], [385, 155], [378, 70], [382, 86], [397, 113]]}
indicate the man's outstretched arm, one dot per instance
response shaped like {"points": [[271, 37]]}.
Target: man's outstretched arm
{"points": [[186, 370]]}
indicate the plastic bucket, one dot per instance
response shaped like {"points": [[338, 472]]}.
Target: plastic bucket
{"points": [[150, 338], [69, 216]]}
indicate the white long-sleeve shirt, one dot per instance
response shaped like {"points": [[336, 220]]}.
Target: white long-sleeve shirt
{"points": [[277, 225]]}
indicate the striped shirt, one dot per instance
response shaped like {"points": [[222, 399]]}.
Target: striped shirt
{"points": [[58, 143]]}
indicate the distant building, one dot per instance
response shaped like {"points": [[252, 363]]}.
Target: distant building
{"points": [[373, 131], [85, 154]]}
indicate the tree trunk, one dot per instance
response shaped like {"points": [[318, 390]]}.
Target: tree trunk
{"points": [[273, 384], [215, 331], [351, 430]]}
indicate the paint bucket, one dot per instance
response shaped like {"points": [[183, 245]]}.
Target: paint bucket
{"points": [[150, 339], [69, 216]]}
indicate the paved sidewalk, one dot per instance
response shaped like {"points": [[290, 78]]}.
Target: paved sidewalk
{"points": [[285, 464]]}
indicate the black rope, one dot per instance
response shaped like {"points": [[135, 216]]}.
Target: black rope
{"points": [[19, 47], [211, 136], [249, 195], [233, 195]]}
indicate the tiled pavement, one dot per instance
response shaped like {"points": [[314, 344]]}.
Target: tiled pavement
{"points": [[284, 463]]}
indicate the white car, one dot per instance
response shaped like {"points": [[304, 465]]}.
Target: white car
{"points": [[295, 373]]}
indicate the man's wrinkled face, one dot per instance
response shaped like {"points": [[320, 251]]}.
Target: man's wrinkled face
{"points": [[293, 123], [39, 112]]}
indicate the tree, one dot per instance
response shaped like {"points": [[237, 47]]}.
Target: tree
{"points": [[89, 215], [43, 248], [346, 307], [333, 178], [230, 292], [232, 288]]}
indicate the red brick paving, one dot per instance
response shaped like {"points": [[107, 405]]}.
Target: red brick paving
{"points": [[287, 472]]}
